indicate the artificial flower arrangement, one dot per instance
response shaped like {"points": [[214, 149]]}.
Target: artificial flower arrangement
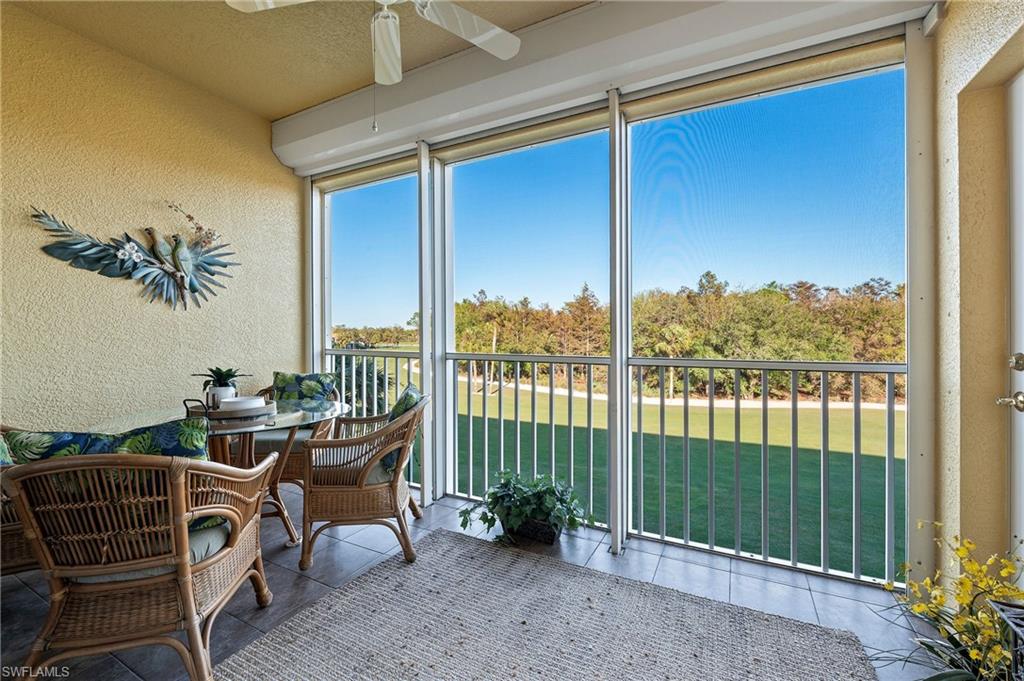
{"points": [[970, 640]]}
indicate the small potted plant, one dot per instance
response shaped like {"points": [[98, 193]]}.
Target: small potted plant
{"points": [[537, 509], [220, 383]]}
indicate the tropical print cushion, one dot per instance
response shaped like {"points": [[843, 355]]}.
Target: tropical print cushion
{"points": [[5, 452], [409, 398], [184, 437], [303, 386]]}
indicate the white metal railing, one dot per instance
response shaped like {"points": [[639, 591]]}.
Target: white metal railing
{"points": [[768, 469], [370, 380], [532, 414], [828, 467]]}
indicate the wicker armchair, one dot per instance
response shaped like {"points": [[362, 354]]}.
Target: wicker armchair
{"points": [[15, 552], [111, 532], [345, 483]]}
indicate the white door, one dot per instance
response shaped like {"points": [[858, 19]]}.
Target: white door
{"points": [[1015, 122]]}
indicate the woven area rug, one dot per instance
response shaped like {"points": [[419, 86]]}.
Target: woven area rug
{"points": [[471, 609]]}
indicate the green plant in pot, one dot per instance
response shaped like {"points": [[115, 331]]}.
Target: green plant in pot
{"points": [[536, 509], [220, 382]]}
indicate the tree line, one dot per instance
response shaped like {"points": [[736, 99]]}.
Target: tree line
{"points": [[798, 321]]}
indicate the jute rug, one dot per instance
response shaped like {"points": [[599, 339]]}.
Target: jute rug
{"points": [[470, 609]]}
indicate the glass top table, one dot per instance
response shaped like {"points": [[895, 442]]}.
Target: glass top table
{"points": [[290, 414]]}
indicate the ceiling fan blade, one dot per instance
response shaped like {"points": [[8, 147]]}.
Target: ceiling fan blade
{"points": [[250, 6], [387, 48], [469, 26]]}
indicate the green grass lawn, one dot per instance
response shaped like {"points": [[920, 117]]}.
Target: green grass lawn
{"points": [[593, 475]]}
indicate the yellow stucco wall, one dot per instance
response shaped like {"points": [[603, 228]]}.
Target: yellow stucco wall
{"points": [[104, 142], [977, 47]]}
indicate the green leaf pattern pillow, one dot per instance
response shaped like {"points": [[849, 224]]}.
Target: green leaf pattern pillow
{"points": [[303, 386], [409, 398], [184, 437], [5, 452]]}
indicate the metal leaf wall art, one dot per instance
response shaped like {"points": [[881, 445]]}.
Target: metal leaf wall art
{"points": [[175, 269]]}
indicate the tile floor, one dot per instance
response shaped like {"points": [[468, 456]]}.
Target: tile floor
{"points": [[345, 552]]}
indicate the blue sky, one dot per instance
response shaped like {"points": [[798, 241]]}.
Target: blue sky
{"points": [[804, 185]]}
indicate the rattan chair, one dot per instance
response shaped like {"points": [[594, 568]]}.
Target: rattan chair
{"points": [[339, 474], [15, 552], [111, 532], [289, 465]]}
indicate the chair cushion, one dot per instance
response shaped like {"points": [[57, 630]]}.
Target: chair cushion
{"points": [[201, 545], [288, 386], [5, 452], [183, 437], [409, 398], [274, 440]]}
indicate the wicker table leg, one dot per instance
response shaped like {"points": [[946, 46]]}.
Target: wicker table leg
{"points": [[220, 449]]}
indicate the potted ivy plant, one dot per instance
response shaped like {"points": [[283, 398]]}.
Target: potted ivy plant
{"points": [[537, 509], [220, 382]]}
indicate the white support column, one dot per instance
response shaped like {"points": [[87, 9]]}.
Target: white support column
{"points": [[618, 370], [426, 315], [318, 293], [446, 284], [442, 325], [921, 298]]}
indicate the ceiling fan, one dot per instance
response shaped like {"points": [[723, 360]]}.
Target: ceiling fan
{"points": [[387, 48]]}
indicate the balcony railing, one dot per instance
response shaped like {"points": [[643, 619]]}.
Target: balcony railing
{"points": [[371, 380], [798, 463]]}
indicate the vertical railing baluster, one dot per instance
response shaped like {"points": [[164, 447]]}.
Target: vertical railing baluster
{"points": [[794, 453], [824, 471], [640, 449], [533, 412], [590, 438], [408, 371], [487, 369], [686, 455], [374, 382], [856, 474], [551, 416], [572, 458], [736, 508], [469, 421], [765, 548], [387, 387], [661, 448], [711, 457], [501, 415], [455, 420], [362, 393], [517, 439], [398, 378], [890, 478], [342, 384]]}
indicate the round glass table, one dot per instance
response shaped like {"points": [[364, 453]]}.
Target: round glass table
{"points": [[292, 415]]}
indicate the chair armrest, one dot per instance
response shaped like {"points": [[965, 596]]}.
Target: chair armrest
{"points": [[215, 489]]}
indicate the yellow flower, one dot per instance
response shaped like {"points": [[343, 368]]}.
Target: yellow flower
{"points": [[975, 654], [968, 544], [919, 608], [888, 586]]}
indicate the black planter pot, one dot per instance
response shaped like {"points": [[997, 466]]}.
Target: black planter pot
{"points": [[537, 531]]}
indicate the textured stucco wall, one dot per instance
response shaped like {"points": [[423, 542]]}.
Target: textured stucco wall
{"points": [[977, 47], [103, 142]]}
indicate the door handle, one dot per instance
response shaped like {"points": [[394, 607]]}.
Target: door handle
{"points": [[1017, 361], [1015, 400]]}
